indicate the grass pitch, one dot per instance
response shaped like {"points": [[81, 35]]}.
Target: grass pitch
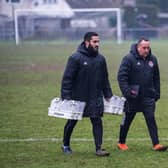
{"points": [[30, 77]]}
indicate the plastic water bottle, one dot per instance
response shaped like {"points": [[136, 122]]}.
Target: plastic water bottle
{"points": [[122, 102]]}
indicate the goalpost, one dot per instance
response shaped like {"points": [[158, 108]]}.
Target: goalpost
{"points": [[117, 11]]}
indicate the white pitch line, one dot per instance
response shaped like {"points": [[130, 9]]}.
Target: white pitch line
{"points": [[6, 140]]}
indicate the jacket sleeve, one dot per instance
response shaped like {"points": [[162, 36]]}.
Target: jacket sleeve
{"points": [[68, 78], [156, 79], [123, 77], [107, 91]]}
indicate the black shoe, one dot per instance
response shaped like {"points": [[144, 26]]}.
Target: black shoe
{"points": [[66, 150], [102, 152]]}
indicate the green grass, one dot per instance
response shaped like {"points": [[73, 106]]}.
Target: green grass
{"points": [[30, 77]]}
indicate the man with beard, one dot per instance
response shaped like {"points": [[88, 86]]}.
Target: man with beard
{"points": [[86, 79], [139, 81]]}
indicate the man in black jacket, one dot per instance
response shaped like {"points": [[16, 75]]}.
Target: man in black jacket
{"points": [[139, 81], [86, 79]]}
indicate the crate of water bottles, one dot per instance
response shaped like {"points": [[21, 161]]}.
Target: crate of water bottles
{"points": [[115, 105], [67, 109]]}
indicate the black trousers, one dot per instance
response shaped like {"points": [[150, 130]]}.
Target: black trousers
{"points": [[148, 106], [97, 129]]}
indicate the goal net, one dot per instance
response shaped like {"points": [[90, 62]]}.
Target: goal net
{"points": [[49, 25]]}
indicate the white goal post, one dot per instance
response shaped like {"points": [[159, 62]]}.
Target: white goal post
{"points": [[20, 12]]}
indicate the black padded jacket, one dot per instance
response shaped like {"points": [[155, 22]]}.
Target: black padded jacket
{"points": [[139, 73], [86, 79]]}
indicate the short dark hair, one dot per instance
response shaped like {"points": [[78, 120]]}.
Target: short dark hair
{"points": [[88, 35], [142, 39]]}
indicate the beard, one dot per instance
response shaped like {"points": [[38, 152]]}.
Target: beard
{"points": [[92, 51]]}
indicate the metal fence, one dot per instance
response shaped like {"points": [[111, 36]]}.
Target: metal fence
{"points": [[46, 33]]}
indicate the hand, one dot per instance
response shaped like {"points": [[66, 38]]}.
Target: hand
{"points": [[133, 92], [108, 99]]}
